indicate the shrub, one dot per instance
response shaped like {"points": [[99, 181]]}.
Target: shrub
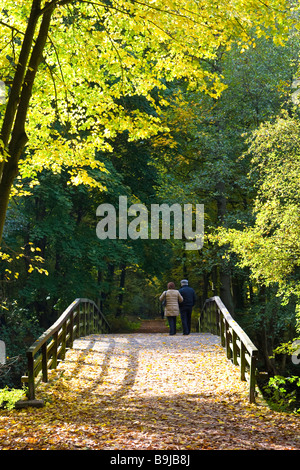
{"points": [[18, 329], [284, 393], [9, 397]]}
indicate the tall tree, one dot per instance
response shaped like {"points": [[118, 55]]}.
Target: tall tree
{"points": [[113, 49], [199, 160]]}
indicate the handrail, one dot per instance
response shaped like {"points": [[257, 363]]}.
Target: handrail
{"points": [[80, 318], [216, 319]]}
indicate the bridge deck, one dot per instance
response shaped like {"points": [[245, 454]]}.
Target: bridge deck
{"points": [[147, 391]]}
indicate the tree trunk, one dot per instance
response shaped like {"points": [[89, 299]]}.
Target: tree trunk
{"points": [[238, 294], [121, 294], [13, 132], [14, 96], [225, 278], [267, 352]]}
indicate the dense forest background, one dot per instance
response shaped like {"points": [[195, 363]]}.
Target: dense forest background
{"points": [[237, 153]]}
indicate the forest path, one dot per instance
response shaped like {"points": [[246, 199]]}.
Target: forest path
{"points": [[147, 391], [156, 325]]}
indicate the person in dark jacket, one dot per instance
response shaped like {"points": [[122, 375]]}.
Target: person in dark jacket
{"points": [[186, 307]]}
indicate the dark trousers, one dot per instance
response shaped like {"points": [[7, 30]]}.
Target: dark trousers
{"points": [[186, 316], [172, 325]]}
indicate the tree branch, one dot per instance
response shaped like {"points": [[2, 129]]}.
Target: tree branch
{"points": [[35, 59], [11, 27], [112, 43]]}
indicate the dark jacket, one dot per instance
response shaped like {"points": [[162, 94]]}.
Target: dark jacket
{"points": [[189, 297]]}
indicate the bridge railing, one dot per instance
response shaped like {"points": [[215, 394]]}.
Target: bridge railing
{"points": [[216, 319], [81, 318]]}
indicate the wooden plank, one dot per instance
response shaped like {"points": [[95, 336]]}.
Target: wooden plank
{"points": [[71, 335], [243, 362], [247, 358], [31, 384], [222, 330], [55, 346], [227, 342], [44, 363], [252, 380], [50, 363], [234, 348]]}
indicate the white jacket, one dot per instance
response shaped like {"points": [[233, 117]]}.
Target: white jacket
{"points": [[173, 297]]}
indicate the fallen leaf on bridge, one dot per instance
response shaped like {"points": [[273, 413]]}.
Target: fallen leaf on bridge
{"points": [[147, 391]]}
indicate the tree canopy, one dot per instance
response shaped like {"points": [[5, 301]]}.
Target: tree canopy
{"points": [[67, 64], [162, 101]]}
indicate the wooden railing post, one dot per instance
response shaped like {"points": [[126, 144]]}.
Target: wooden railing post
{"points": [[31, 384], [222, 330], [55, 347], [78, 323], [88, 306], [211, 318], [87, 313], [63, 341], [217, 313], [84, 318], [243, 362], [234, 348], [44, 362], [71, 338], [227, 341], [252, 379], [95, 328]]}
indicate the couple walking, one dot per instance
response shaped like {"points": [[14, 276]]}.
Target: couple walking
{"points": [[179, 302]]}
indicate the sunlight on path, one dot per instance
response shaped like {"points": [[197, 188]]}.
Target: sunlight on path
{"points": [[169, 392], [157, 365]]}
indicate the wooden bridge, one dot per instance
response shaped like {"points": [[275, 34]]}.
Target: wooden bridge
{"points": [[83, 317]]}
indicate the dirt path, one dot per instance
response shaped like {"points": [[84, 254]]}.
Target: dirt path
{"points": [[147, 391], [156, 325]]}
